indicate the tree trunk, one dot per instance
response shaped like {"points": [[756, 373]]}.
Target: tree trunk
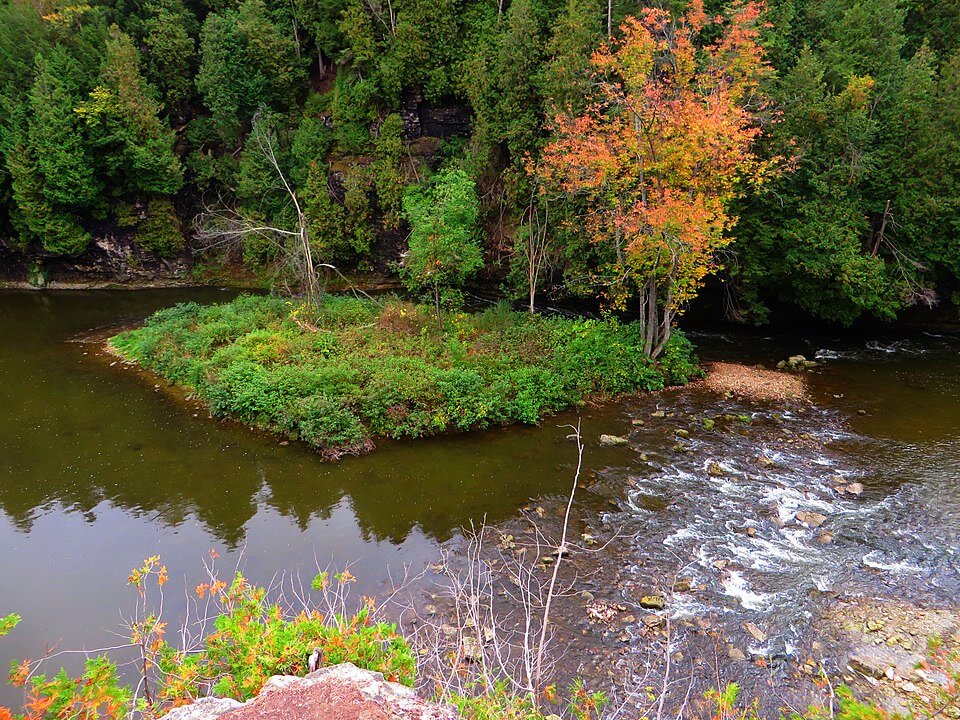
{"points": [[436, 304], [652, 324]]}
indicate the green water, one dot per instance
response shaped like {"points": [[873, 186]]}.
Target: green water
{"points": [[98, 471]]}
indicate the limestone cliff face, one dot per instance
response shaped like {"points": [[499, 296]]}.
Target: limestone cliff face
{"points": [[110, 259], [340, 692]]}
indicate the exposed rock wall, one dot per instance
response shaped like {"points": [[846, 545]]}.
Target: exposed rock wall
{"points": [[111, 259]]}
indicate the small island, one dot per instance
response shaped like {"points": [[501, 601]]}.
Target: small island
{"points": [[346, 370]]}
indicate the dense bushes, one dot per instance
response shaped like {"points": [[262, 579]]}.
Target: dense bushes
{"points": [[384, 368], [255, 638]]}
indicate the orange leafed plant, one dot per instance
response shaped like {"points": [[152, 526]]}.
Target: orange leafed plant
{"points": [[658, 159]]}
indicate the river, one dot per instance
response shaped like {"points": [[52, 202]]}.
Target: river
{"points": [[98, 470]]}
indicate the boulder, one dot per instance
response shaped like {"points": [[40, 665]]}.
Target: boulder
{"points": [[653, 602], [735, 653], [340, 692], [206, 708], [875, 660], [757, 634], [810, 519], [612, 440], [797, 363]]}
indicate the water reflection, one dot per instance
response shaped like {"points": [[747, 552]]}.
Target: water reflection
{"points": [[77, 434], [98, 471]]}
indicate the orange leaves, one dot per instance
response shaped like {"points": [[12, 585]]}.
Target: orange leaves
{"points": [[19, 675], [667, 149], [213, 588], [5, 714], [151, 566], [37, 705]]}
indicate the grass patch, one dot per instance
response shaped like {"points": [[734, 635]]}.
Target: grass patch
{"points": [[358, 369]]}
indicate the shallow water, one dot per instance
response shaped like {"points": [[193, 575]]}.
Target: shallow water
{"points": [[886, 415], [98, 471]]}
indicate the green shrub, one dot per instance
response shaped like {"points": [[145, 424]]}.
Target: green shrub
{"points": [[159, 232], [326, 423], [254, 638]]}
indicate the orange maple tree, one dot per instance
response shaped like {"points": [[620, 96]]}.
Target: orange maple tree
{"points": [[659, 157]]}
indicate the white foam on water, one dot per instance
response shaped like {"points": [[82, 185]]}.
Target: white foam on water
{"points": [[681, 534], [827, 354], [899, 566], [684, 605], [736, 586]]}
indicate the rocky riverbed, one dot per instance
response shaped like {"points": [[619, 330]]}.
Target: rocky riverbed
{"points": [[745, 531]]}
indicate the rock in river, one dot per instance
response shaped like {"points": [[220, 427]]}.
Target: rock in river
{"points": [[653, 602], [612, 440], [810, 519]]}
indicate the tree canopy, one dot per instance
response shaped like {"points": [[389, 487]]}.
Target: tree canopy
{"points": [[651, 132]]}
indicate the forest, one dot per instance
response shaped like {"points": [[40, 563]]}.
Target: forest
{"points": [[796, 153]]}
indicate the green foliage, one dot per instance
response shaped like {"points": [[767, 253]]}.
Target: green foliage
{"points": [[373, 369], [444, 249], [121, 116], [498, 703], [388, 178], [8, 623], [338, 231], [160, 232], [254, 639], [55, 139], [864, 224], [94, 694], [247, 62], [352, 110], [170, 51], [848, 708]]}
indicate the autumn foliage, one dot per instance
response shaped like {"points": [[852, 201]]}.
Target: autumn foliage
{"points": [[658, 158]]}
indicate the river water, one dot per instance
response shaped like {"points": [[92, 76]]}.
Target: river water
{"points": [[98, 470]]}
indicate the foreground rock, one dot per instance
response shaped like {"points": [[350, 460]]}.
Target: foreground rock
{"points": [[340, 692], [885, 643]]}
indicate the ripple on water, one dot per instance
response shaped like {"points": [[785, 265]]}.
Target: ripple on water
{"points": [[730, 524]]}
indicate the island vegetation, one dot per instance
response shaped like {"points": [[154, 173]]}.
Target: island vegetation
{"points": [[347, 370]]}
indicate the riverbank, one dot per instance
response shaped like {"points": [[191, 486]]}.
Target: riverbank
{"points": [[355, 369]]}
